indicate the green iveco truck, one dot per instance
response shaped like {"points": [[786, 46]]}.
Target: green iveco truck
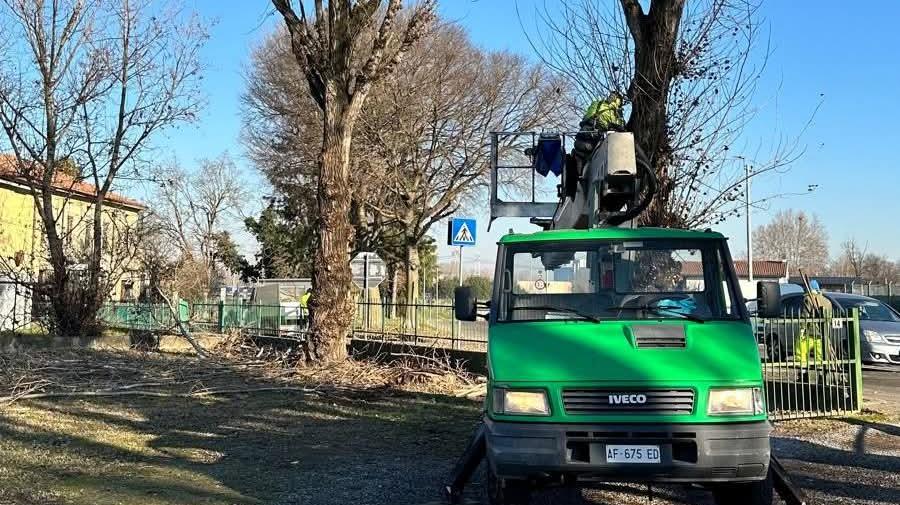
{"points": [[622, 354]]}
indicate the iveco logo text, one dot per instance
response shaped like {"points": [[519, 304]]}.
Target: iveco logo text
{"points": [[622, 399]]}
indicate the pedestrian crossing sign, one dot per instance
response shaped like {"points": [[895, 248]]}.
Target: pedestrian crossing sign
{"points": [[461, 232]]}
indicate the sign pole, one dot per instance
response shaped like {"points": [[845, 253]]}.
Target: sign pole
{"points": [[366, 289], [368, 272], [460, 232], [459, 272], [459, 276]]}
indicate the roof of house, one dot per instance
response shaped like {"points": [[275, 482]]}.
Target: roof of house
{"points": [[763, 269], [63, 183]]}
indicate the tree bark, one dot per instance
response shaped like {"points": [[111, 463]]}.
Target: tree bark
{"points": [[393, 312], [655, 35], [332, 306], [412, 280]]}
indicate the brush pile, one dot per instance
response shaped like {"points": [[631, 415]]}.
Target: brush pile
{"points": [[234, 367]]}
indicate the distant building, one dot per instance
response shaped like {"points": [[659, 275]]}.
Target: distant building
{"points": [[763, 270], [834, 283], [23, 245]]}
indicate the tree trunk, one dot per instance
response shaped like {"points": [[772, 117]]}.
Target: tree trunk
{"points": [[393, 312], [64, 293], [655, 35], [332, 306], [412, 281]]}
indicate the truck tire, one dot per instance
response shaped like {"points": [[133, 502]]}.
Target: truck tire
{"points": [[750, 493], [506, 491], [776, 350]]}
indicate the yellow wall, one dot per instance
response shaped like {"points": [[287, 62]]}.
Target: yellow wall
{"points": [[16, 221], [18, 235]]}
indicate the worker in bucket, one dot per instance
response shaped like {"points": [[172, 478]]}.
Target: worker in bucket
{"points": [[606, 114], [816, 312], [600, 117]]}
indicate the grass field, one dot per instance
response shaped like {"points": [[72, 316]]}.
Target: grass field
{"points": [[318, 445], [265, 448]]}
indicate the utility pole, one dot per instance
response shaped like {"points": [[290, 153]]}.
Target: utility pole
{"points": [[749, 229]]}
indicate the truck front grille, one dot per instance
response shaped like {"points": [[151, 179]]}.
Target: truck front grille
{"points": [[624, 401]]}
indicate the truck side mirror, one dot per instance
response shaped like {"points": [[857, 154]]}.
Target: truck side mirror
{"points": [[768, 299], [464, 304]]}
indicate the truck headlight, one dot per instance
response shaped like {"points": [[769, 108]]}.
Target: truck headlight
{"points": [[525, 402], [873, 337], [743, 401]]}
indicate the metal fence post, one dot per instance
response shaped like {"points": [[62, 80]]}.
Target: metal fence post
{"points": [[857, 363], [220, 318], [454, 324]]}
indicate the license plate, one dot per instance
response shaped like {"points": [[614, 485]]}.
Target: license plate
{"points": [[632, 454]]}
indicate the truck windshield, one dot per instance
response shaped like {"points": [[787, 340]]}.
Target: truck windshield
{"points": [[646, 279]]}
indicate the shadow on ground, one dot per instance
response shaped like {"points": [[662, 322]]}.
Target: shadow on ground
{"points": [[845, 461], [272, 447], [383, 447]]}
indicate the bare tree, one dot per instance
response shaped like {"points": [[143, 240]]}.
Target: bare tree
{"points": [[880, 269], [690, 71], [793, 236], [158, 256], [421, 146], [97, 80], [851, 258], [194, 211], [324, 47], [429, 125], [282, 130]]}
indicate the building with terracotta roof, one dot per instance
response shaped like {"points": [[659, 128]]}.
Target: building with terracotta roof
{"points": [[23, 249], [763, 270]]}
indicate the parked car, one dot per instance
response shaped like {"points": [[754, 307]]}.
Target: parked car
{"points": [[879, 328]]}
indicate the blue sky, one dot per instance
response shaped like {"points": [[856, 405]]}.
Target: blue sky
{"points": [[830, 52]]}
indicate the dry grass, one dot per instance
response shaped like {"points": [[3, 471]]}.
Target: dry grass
{"points": [[278, 434], [235, 366]]}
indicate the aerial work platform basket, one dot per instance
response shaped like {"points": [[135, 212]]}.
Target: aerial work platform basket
{"points": [[565, 179]]}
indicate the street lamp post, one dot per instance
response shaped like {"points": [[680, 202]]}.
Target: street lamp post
{"points": [[749, 232]]}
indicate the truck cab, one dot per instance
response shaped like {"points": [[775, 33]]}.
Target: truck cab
{"points": [[621, 354]]}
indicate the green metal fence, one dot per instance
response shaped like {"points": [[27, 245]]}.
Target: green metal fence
{"points": [[137, 316], [430, 325], [811, 367]]}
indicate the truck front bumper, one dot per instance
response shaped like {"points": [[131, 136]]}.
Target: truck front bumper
{"points": [[734, 452]]}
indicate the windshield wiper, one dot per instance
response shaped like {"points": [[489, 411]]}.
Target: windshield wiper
{"points": [[582, 315], [657, 309]]}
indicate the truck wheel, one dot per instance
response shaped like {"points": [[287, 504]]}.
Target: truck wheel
{"points": [[751, 493], [506, 491], [774, 348]]}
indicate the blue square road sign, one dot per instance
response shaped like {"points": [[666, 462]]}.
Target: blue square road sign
{"points": [[461, 232]]}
